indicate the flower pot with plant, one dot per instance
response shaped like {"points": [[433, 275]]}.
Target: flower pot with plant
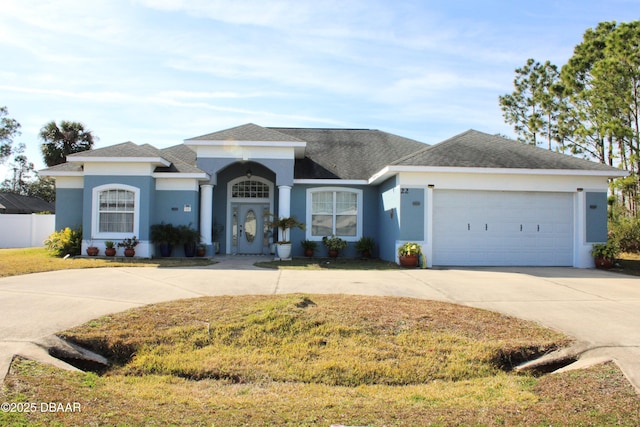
{"points": [[129, 245], [334, 245], [409, 254], [309, 247], [285, 224], [365, 246], [165, 236], [110, 249], [604, 254], [190, 238], [92, 250]]}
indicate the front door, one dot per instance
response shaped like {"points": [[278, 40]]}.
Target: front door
{"points": [[250, 230]]}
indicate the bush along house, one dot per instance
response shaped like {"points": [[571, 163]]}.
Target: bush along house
{"points": [[472, 200]]}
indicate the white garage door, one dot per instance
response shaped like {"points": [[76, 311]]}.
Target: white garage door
{"points": [[500, 228]]}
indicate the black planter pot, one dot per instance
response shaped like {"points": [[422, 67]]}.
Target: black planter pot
{"points": [[189, 250], [165, 250]]}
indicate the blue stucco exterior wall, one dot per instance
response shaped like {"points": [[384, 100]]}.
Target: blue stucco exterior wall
{"points": [[170, 208], [146, 184], [412, 211], [369, 217], [597, 217], [388, 205], [69, 208]]}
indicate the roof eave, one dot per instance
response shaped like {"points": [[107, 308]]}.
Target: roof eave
{"points": [[389, 171], [54, 174], [156, 161], [177, 175]]}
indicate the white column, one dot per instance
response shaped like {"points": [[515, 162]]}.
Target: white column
{"points": [[428, 252], [581, 250], [284, 204], [206, 213]]}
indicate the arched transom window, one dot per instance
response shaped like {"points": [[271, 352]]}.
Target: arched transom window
{"points": [[250, 189]]}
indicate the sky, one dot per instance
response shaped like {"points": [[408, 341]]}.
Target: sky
{"points": [[162, 71]]}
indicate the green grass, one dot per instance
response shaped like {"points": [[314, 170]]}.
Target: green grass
{"points": [[15, 262], [307, 360]]}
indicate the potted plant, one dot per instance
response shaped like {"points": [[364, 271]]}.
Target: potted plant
{"points": [[285, 224], [110, 249], [201, 250], [129, 245], [190, 238], [409, 254], [334, 244], [365, 246], [604, 254], [309, 247], [92, 250], [165, 236]]}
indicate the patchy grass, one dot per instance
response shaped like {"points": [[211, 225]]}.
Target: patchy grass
{"points": [[628, 263], [14, 262], [331, 263], [299, 360]]}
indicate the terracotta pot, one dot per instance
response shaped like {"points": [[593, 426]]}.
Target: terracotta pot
{"points": [[110, 251], [366, 254], [201, 252], [333, 253], [129, 252], [604, 263], [92, 251], [409, 261], [308, 253]]}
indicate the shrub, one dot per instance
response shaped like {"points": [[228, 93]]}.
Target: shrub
{"points": [[626, 233], [65, 242]]}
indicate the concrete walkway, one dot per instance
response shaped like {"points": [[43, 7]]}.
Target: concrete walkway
{"points": [[600, 309]]}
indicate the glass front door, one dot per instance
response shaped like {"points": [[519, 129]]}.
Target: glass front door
{"points": [[249, 228]]}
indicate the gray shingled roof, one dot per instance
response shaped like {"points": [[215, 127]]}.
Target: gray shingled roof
{"points": [[182, 158], [125, 149], [248, 132], [18, 204], [347, 153], [475, 149]]}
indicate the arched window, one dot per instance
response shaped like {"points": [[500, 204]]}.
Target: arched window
{"points": [[116, 211]]}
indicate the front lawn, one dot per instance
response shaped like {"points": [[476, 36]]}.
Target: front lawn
{"points": [[317, 360], [14, 262]]}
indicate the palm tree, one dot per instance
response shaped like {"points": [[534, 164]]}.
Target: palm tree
{"points": [[59, 142]]}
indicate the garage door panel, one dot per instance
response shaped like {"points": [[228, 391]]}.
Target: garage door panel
{"points": [[502, 228]]}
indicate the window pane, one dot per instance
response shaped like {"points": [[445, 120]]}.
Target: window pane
{"points": [[322, 203], [116, 211], [346, 203], [321, 225], [346, 225]]}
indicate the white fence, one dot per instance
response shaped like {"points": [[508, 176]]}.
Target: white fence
{"points": [[25, 231]]}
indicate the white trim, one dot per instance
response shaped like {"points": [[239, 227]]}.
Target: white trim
{"points": [[95, 211], [159, 161], [359, 204], [388, 171], [331, 181], [201, 176], [70, 182]]}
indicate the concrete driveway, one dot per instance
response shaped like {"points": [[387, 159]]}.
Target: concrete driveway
{"points": [[598, 308]]}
